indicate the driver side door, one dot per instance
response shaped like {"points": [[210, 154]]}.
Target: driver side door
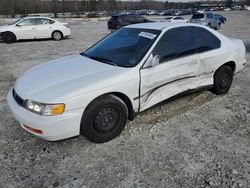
{"points": [[176, 72]]}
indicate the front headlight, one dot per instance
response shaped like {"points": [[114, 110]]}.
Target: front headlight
{"points": [[44, 109]]}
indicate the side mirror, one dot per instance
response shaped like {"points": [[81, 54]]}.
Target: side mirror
{"points": [[18, 25], [155, 61]]}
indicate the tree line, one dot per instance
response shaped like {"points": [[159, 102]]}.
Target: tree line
{"points": [[24, 7]]}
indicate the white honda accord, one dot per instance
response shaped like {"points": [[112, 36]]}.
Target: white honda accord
{"points": [[34, 28], [94, 93]]}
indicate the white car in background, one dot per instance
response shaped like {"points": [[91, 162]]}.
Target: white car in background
{"points": [[34, 28], [95, 92], [175, 19]]}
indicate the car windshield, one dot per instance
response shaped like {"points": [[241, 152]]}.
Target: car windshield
{"points": [[168, 18], [125, 48], [15, 21]]}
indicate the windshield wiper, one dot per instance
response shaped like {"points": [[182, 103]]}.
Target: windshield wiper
{"points": [[101, 59]]}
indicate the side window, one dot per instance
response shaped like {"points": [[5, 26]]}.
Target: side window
{"points": [[27, 22], [42, 21], [178, 18], [139, 18], [205, 40], [210, 16], [132, 18], [175, 43], [127, 18], [51, 21]]}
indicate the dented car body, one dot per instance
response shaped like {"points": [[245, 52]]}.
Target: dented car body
{"points": [[95, 92]]}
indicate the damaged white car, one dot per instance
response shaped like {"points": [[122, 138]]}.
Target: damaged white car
{"points": [[94, 93]]}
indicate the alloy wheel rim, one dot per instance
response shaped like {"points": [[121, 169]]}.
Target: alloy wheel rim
{"points": [[57, 36]]}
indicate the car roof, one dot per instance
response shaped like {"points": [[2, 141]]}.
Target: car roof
{"points": [[28, 17], [159, 25], [125, 14]]}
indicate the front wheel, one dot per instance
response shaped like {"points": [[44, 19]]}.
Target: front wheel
{"points": [[9, 37], [104, 119], [223, 79], [57, 35]]}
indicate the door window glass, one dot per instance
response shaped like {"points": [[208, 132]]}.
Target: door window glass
{"points": [[175, 43], [205, 40], [27, 22], [43, 21]]}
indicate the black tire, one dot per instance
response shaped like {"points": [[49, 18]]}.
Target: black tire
{"points": [[104, 119], [223, 79], [57, 35], [9, 37], [118, 26], [218, 27]]}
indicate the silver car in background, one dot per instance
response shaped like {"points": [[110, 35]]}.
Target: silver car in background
{"points": [[207, 19]]}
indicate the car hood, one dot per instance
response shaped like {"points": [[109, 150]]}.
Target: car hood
{"points": [[66, 77]]}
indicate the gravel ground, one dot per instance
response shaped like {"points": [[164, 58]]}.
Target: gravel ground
{"points": [[200, 140]]}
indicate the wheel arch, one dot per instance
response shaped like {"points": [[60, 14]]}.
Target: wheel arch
{"points": [[11, 33], [124, 98], [56, 31], [231, 64]]}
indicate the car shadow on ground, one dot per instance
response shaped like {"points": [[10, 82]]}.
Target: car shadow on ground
{"points": [[35, 40]]}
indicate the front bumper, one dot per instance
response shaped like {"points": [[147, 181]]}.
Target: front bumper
{"points": [[53, 128]]}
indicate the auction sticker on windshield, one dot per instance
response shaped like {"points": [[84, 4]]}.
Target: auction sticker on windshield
{"points": [[147, 35]]}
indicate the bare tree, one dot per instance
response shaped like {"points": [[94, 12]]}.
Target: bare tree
{"points": [[55, 8]]}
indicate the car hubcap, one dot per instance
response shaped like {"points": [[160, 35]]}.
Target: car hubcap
{"points": [[106, 120], [57, 36], [224, 80]]}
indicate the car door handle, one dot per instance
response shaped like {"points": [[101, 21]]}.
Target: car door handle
{"points": [[50, 27], [33, 28]]}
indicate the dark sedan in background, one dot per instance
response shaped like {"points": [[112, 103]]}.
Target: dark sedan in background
{"points": [[117, 21]]}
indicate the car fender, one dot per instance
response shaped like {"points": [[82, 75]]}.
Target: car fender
{"points": [[128, 88]]}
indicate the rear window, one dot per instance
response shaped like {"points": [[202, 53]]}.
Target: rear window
{"points": [[198, 16]]}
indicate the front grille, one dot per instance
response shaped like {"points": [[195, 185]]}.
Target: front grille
{"points": [[17, 98]]}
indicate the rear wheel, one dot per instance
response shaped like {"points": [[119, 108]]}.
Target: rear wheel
{"points": [[218, 26], [9, 37], [104, 119], [57, 35], [223, 79]]}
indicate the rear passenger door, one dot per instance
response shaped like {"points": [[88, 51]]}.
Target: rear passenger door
{"points": [[206, 43], [177, 71], [44, 28]]}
